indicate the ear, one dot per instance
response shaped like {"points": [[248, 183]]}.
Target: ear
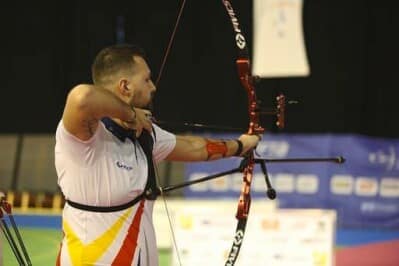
{"points": [[124, 88]]}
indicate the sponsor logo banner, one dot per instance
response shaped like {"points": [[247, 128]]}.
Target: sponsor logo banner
{"points": [[364, 190]]}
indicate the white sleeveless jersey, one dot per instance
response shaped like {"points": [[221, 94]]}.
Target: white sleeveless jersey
{"points": [[105, 171]]}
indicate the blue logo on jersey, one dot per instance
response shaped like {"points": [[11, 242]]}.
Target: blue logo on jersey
{"points": [[123, 166]]}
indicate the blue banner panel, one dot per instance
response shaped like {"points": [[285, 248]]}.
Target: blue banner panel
{"points": [[364, 190]]}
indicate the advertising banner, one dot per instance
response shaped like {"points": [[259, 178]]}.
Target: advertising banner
{"points": [[283, 237], [364, 190]]}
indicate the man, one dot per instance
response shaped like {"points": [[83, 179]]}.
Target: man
{"points": [[102, 163]]}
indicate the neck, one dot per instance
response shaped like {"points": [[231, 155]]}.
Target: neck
{"points": [[118, 121]]}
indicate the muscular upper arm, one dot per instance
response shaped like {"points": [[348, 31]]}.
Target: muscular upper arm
{"points": [[77, 117]]}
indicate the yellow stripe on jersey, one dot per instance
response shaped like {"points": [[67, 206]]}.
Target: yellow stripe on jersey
{"points": [[87, 254]]}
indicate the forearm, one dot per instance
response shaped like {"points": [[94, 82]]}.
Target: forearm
{"points": [[192, 148], [98, 102], [86, 105]]}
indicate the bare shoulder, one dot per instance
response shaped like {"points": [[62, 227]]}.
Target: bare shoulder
{"points": [[79, 92], [77, 117]]}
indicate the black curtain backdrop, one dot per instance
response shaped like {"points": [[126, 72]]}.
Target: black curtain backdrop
{"points": [[352, 50]]}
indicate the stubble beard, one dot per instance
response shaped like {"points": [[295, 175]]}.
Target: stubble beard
{"points": [[149, 106]]}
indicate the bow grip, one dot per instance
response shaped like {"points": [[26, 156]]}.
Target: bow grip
{"points": [[244, 203]]}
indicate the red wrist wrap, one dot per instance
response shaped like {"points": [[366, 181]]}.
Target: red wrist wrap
{"points": [[214, 148]]}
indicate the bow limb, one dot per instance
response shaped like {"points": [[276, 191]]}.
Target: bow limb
{"points": [[247, 81]]}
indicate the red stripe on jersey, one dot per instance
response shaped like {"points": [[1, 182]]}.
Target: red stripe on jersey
{"points": [[126, 253]]}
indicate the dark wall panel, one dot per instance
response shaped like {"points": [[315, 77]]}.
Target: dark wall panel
{"points": [[351, 48]]}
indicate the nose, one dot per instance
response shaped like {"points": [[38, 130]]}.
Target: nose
{"points": [[153, 88]]}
